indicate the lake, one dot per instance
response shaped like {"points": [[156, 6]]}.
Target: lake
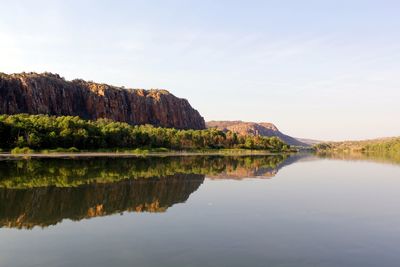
{"points": [[299, 210]]}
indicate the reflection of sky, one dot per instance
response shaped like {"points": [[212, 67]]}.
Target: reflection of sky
{"points": [[318, 69], [315, 213]]}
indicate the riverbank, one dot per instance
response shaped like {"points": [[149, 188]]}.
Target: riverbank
{"points": [[21, 133], [138, 153]]}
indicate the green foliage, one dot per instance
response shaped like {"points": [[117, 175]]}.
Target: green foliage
{"points": [[391, 146], [74, 133], [21, 150], [387, 145]]}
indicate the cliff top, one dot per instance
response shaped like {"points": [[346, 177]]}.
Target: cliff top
{"points": [[57, 77]]}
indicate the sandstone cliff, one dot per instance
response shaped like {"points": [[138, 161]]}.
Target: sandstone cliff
{"points": [[252, 128], [48, 93]]}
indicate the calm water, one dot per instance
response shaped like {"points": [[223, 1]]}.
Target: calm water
{"points": [[200, 211]]}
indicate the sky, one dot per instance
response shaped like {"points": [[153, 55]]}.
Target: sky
{"points": [[326, 70]]}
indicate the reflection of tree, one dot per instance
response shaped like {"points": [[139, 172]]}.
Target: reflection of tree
{"points": [[75, 172], [44, 206], [45, 191]]}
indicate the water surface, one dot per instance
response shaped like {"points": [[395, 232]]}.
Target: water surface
{"points": [[300, 210]]}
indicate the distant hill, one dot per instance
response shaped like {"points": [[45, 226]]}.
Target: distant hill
{"points": [[310, 142], [253, 128], [50, 94]]}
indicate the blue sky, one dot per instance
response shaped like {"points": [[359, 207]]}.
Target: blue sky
{"points": [[318, 69]]}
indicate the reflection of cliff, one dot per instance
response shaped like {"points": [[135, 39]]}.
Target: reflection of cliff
{"points": [[42, 192], [43, 206]]}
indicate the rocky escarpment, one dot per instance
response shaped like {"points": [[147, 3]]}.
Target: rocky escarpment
{"points": [[48, 93], [253, 128]]}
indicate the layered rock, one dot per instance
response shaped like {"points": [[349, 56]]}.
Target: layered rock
{"points": [[48, 93], [253, 128]]}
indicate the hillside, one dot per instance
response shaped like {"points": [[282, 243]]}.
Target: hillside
{"points": [[253, 128], [51, 94]]}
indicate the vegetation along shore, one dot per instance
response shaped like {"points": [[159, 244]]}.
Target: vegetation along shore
{"points": [[23, 133], [389, 145]]}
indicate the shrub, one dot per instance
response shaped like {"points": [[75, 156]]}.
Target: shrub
{"points": [[21, 150]]}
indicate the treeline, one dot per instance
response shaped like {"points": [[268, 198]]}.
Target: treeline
{"points": [[390, 145], [50, 132], [386, 145]]}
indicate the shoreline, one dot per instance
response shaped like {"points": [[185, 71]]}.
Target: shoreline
{"points": [[7, 155]]}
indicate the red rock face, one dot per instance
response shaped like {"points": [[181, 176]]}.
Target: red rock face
{"points": [[50, 94]]}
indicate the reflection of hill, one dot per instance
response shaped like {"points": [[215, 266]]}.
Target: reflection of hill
{"points": [[262, 167], [43, 206]]}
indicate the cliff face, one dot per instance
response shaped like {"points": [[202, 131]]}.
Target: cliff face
{"points": [[252, 128], [47, 93]]}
